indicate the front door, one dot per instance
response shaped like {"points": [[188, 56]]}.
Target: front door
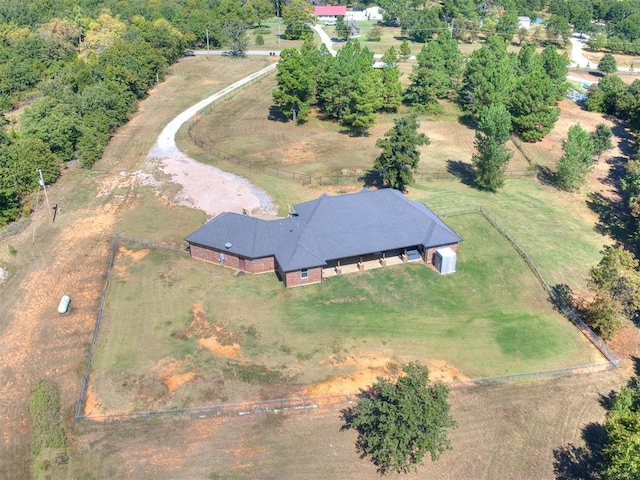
{"points": [[241, 264]]}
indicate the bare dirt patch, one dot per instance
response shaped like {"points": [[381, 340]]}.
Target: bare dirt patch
{"points": [[171, 375], [368, 367]]}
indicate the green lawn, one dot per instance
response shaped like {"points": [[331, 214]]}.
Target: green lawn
{"points": [[557, 229], [489, 318]]}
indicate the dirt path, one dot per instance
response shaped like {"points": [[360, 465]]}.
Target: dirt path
{"points": [[203, 186], [69, 257]]}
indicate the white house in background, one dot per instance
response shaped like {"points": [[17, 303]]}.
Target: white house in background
{"points": [[371, 13], [524, 22]]}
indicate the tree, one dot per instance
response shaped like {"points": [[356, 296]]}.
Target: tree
{"points": [[342, 28], [622, 448], [533, 117], [374, 34], [296, 15], [489, 77], [366, 101], [616, 275], [421, 25], [556, 66], [601, 139], [607, 64], [400, 154], [339, 79], [295, 85], [577, 160], [558, 30], [490, 163], [399, 423], [405, 50], [391, 86], [508, 24], [235, 36], [429, 80], [260, 10]]}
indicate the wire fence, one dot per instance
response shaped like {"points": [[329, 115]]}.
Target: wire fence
{"points": [[337, 179], [301, 403], [103, 300], [551, 289]]}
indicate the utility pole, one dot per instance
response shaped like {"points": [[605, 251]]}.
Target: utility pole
{"points": [[207, 41], [451, 28], [44, 189]]}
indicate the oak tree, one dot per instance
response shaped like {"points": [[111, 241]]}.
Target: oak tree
{"points": [[399, 422]]}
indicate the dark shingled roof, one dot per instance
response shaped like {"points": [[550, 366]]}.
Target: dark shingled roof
{"points": [[329, 228]]}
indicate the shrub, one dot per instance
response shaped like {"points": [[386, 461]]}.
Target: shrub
{"points": [[259, 39], [49, 440], [375, 34]]}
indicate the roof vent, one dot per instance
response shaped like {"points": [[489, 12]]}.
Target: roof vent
{"points": [[228, 245]]}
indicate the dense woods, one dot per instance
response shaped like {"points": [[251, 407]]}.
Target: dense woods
{"points": [[76, 70]]}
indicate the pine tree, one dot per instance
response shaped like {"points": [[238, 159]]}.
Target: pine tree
{"points": [[400, 154], [391, 86], [405, 51], [366, 101], [429, 80], [607, 64], [601, 139], [295, 85], [489, 77], [556, 66], [490, 163], [577, 160]]}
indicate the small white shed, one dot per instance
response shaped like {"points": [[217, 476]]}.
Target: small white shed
{"points": [[445, 260]]}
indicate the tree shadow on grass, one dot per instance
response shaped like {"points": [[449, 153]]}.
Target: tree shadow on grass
{"points": [[625, 139], [463, 171], [276, 115], [612, 218], [546, 176], [372, 178], [581, 463]]}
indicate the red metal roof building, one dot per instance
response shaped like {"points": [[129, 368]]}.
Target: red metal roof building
{"points": [[330, 11]]}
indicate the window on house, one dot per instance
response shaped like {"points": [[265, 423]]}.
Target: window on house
{"points": [[304, 273]]}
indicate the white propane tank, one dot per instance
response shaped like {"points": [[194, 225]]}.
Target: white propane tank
{"points": [[63, 306]]}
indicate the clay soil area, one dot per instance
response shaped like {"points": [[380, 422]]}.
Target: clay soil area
{"points": [[508, 431], [516, 431]]}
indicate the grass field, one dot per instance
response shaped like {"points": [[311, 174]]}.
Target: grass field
{"points": [[549, 223], [171, 317], [322, 148]]}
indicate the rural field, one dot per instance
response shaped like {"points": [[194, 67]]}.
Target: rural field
{"points": [[530, 429]]}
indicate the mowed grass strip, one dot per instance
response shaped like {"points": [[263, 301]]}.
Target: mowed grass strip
{"points": [[489, 318]]}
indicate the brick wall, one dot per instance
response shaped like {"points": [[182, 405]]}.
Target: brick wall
{"points": [[294, 279], [430, 252], [260, 265], [256, 265]]}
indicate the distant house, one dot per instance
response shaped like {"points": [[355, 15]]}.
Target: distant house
{"points": [[329, 13], [371, 13], [328, 236], [524, 22]]}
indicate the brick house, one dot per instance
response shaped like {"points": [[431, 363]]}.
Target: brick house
{"points": [[328, 236]]}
